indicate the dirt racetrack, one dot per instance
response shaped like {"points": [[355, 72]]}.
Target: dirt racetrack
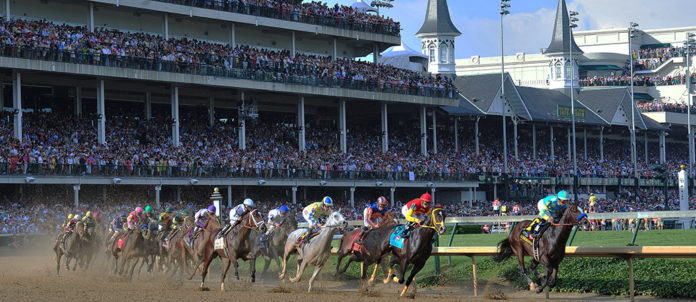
{"points": [[30, 276]]}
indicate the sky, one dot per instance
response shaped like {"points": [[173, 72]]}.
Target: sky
{"points": [[529, 26]]}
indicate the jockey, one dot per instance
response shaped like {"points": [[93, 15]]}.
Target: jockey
{"points": [[276, 218], [202, 216], [139, 212], [164, 219], [67, 220], [132, 220], [551, 207], [149, 213], [179, 218], [415, 211], [117, 225], [236, 215], [373, 213], [315, 215], [71, 224]]}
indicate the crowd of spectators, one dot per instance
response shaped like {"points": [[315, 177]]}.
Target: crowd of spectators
{"points": [[314, 12], [659, 106], [652, 58], [640, 80], [46, 40]]}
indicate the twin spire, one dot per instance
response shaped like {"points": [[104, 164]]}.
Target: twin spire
{"points": [[562, 36]]}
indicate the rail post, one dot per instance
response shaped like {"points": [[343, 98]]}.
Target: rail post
{"points": [[635, 231], [473, 264], [512, 227], [572, 236], [436, 243], [454, 230], [630, 278]]}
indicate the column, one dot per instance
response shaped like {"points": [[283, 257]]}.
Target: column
{"points": [[292, 43], [514, 132], [334, 53], [385, 135], [165, 26], [101, 113], [294, 195], [175, 115], [233, 36], [476, 135], [7, 9], [569, 147], [301, 124], [663, 147], [601, 143], [76, 190], [16, 99], [432, 193], [158, 188], [90, 15], [2, 94], [78, 100], [645, 135], [495, 191], [178, 193], [424, 135], [534, 141], [229, 196], [352, 196], [553, 157], [211, 111], [242, 125], [391, 195], [375, 52], [342, 124], [434, 132], [456, 134], [148, 105], [584, 135], [471, 197]]}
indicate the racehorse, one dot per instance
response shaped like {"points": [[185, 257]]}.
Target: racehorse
{"points": [[202, 244], [134, 248], [375, 245], [551, 246], [417, 248], [235, 245], [176, 251], [70, 247], [315, 252], [275, 241]]}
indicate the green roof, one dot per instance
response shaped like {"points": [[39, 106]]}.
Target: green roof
{"points": [[599, 67]]}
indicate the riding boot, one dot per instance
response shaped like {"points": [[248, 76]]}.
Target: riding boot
{"points": [[409, 228]]}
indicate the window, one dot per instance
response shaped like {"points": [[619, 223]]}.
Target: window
{"points": [[432, 54], [443, 54], [559, 71]]}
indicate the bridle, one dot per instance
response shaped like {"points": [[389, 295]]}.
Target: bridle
{"points": [[435, 224], [254, 220], [577, 221]]}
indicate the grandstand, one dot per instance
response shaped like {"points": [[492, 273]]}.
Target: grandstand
{"points": [[173, 97]]}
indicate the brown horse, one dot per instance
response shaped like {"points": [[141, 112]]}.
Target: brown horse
{"points": [[551, 246], [236, 245], [176, 253], [70, 247], [417, 248], [202, 245], [375, 245], [134, 248]]}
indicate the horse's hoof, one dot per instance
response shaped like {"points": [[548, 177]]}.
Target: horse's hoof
{"points": [[370, 282], [385, 281], [222, 287], [539, 289], [253, 279], [281, 276]]}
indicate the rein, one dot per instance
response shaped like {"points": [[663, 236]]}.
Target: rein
{"points": [[253, 219], [577, 222], [436, 224]]}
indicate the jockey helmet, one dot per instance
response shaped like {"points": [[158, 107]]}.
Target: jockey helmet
{"points": [[284, 209], [95, 214], [563, 195], [88, 214], [148, 209], [132, 213], [76, 217], [327, 201], [70, 216], [381, 201], [169, 210], [211, 208], [122, 214], [249, 203], [139, 210], [426, 197], [185, 212]]}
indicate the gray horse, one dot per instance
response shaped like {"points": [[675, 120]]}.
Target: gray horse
{"points": [[316, 252]]}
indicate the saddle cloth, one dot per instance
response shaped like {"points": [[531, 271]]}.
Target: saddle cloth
{"points": [[396, 239]]}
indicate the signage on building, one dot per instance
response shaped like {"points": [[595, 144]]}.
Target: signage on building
{"points": [[564, 112]]}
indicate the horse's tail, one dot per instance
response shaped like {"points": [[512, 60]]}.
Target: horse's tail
{"points": [[504, 250]]}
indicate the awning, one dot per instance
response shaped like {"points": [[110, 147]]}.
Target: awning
{"points": [[658, 45], [599, 67], [642, 96]]}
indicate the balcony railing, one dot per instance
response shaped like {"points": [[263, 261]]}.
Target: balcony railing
{"points": [[232, 68], [289, 14]]}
